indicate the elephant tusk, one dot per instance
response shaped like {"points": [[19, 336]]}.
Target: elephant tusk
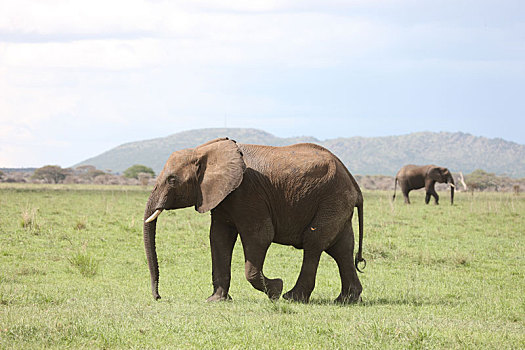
{"points": [[452, 185], [154, 215]]}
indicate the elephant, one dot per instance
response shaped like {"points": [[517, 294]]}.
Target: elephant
{"points": [[411, 177], [300, 195]]}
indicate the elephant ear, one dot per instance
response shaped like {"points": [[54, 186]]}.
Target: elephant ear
{"points": [[220, 171], [435, 173]]}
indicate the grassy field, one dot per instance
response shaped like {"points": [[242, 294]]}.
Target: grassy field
{"points": [[73, 274]]}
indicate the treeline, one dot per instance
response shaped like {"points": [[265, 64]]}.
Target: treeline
{"points": [[478, 180], [84, 174]]}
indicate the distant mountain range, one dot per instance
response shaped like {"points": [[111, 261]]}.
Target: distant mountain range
{"points": [[362, 155]]}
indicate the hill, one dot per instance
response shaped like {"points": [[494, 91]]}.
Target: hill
{"points": [[362, 155]]}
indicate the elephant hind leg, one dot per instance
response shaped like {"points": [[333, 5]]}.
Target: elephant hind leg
{"points": [[342, 252], [306, 281], [318, 236], [405, 195]]}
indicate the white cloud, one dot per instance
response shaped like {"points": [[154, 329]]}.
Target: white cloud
{"points": [[76, 17], [102, 54], [91, 73], [26, 105], [296, 40], [187, 31]]}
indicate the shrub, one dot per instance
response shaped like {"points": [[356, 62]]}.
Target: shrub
{"points": [[81, 224], [29, 221], [135, 170], [85, 263]]}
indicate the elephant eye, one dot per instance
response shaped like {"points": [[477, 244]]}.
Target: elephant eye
{"points": [[173, 180]]}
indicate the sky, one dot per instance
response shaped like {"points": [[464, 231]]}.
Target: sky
{"points": [[78, 78]]}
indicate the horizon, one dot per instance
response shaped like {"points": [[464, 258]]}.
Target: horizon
{"points": [[78, 79], [72, 166], [458, 151]]}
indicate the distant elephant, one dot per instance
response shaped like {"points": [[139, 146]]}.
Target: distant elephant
{"points": [[300, 195], [412, 177]]}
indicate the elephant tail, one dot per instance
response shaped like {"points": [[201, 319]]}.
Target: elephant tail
{"points": [[395, 187], [359, 255]]}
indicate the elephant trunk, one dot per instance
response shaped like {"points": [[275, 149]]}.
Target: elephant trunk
{"points": [[149, 245]]}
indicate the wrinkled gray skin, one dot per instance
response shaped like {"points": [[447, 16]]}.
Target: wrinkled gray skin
{"points": [[299, 195], [412, 177]]}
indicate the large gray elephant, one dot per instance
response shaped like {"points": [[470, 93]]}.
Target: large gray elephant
{"points": [[412, 177], [299, 195]]}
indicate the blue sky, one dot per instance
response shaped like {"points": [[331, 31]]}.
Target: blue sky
{"points": [[80, 77]]}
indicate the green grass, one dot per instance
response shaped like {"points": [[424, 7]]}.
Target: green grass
{"points": [[73, 274]]}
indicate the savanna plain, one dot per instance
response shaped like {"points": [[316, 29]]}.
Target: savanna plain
{"points": [[73, 274]]}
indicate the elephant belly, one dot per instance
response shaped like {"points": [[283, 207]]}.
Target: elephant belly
{"points": [[290, 228], [285, 238], [413, 183]]}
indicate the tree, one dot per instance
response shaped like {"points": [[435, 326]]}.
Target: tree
{"points": [[480, 179], [51, 174], [135, 170], [84, 169], [88, 172]]}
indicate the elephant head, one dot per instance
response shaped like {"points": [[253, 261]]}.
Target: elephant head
{"points": [[200, 177], [442, 175]]}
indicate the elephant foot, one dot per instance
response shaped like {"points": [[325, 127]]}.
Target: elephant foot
{"points": [[218, 297], [348, 299], [350, 296], [297, 295], [274, 288]]}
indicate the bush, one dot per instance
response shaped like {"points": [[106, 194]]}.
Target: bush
{"points": [[29, 220], [86, 264], [135, 170]]}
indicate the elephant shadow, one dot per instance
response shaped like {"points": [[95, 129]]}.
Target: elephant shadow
{"points": [[393, 300]]}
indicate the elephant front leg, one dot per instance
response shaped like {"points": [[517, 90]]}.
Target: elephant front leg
{"points": [[222, 241], [431, 192]]}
